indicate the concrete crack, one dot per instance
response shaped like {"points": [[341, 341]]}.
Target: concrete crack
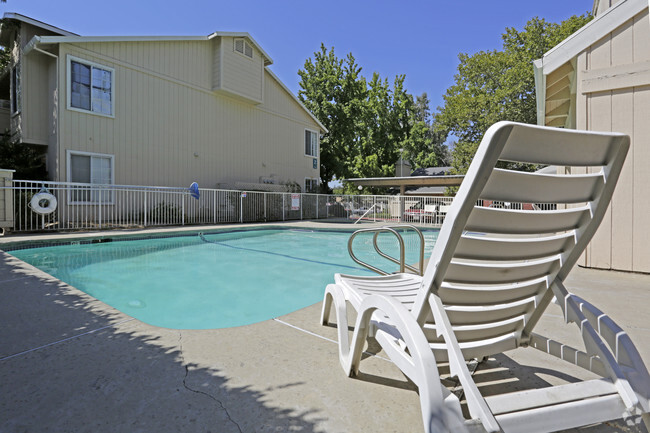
{"points": [[197, 391]]}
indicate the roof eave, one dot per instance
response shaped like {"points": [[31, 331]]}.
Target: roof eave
{"points": [[37, 23], [295, 98], [593, 31], [267, 59]]}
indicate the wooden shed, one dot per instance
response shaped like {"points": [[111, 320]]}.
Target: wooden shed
{"points": [[599, 79]]}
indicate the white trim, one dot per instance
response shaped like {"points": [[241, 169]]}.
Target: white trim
{"points": [[87, 39], [317, 133], [68, 167], [69, 60], [593, 31], [36, 23]]}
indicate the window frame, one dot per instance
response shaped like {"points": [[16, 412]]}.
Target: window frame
{"points": [[314, 149], [92, 66], [315, 184], [69, 154]]}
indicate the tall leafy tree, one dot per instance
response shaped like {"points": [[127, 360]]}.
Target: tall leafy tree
{"points": [[425, 146], [498, 85], [335, 92], [368, 121]]}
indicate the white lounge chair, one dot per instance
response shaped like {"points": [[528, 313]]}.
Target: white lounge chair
{"points": [[491, 275]]}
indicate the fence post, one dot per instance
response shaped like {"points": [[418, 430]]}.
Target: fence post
{"points": [[265, 207], [282, 206], [145, 208], [214, 207], [182, 209], [99, 201], [241, 207], [301, 205], [374, 209]]}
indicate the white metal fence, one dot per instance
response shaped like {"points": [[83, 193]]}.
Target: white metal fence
{"points": [[92, 207]]}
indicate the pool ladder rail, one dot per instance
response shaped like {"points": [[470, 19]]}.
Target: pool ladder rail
{"points": [[401, 261]]}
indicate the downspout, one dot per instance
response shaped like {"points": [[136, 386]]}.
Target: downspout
{"points": [[540, 91], [33, 45]]}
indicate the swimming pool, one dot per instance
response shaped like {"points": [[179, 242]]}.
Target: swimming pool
{"points": [[213, 280]]}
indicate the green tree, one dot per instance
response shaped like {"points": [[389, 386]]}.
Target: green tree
{"points": [[28, 161], [383, 130], [425, 146], [335, 92], [368, 121], [498, 85]]}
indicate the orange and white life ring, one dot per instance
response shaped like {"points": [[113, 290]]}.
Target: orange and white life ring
{"points": [[43, 203]]}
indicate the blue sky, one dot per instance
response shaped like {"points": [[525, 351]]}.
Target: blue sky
{"points": [[418, 38]]}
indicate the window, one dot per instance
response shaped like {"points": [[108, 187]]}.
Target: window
{"points": [[311, 185], [243, 47], [92, 168], [311, 143], [15, 89], [90, 87]]}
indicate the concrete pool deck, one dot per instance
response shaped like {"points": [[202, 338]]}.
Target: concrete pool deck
{"points": [[71, 363]]}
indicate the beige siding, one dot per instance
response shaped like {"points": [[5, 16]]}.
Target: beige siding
{"points": [[171, 130], [216, 63], [623, 240], [185, 61], [241, 75], [36, 94]]}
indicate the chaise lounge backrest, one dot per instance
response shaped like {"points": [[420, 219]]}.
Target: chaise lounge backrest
{"points": [[493, 267]]}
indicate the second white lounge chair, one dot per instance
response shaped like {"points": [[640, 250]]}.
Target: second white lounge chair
{"points": [[491, 275]]}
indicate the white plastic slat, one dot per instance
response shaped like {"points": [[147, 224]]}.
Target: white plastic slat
{"points": [[529, 399], [559, 147], [470, 315], [518, 186], [486, 331], [460, 294], [476, 349], [564, 416], [499, 272], [512, 248], [507, 221]]}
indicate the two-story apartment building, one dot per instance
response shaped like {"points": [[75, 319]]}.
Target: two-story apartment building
{"points": [[161, 110]]}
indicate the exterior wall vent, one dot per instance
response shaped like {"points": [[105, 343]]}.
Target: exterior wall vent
{"points": [[243, 47]]}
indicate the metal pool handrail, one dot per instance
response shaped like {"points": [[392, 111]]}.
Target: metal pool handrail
{"points": [[401, 262]]}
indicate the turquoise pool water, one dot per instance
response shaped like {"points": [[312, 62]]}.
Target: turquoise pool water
{"points": [[216, 281]]}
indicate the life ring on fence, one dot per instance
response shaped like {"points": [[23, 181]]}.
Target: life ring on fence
{"points": [[38, 203]]}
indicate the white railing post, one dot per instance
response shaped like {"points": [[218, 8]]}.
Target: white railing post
{"points": [[374, 213], [145, 208], [241, 207], [99, 212]]}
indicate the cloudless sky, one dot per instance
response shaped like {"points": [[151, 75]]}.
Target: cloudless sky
{"points": [[418, 38]]}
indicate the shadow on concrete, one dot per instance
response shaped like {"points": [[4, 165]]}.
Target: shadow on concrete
{"points": [[70, 363]]}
